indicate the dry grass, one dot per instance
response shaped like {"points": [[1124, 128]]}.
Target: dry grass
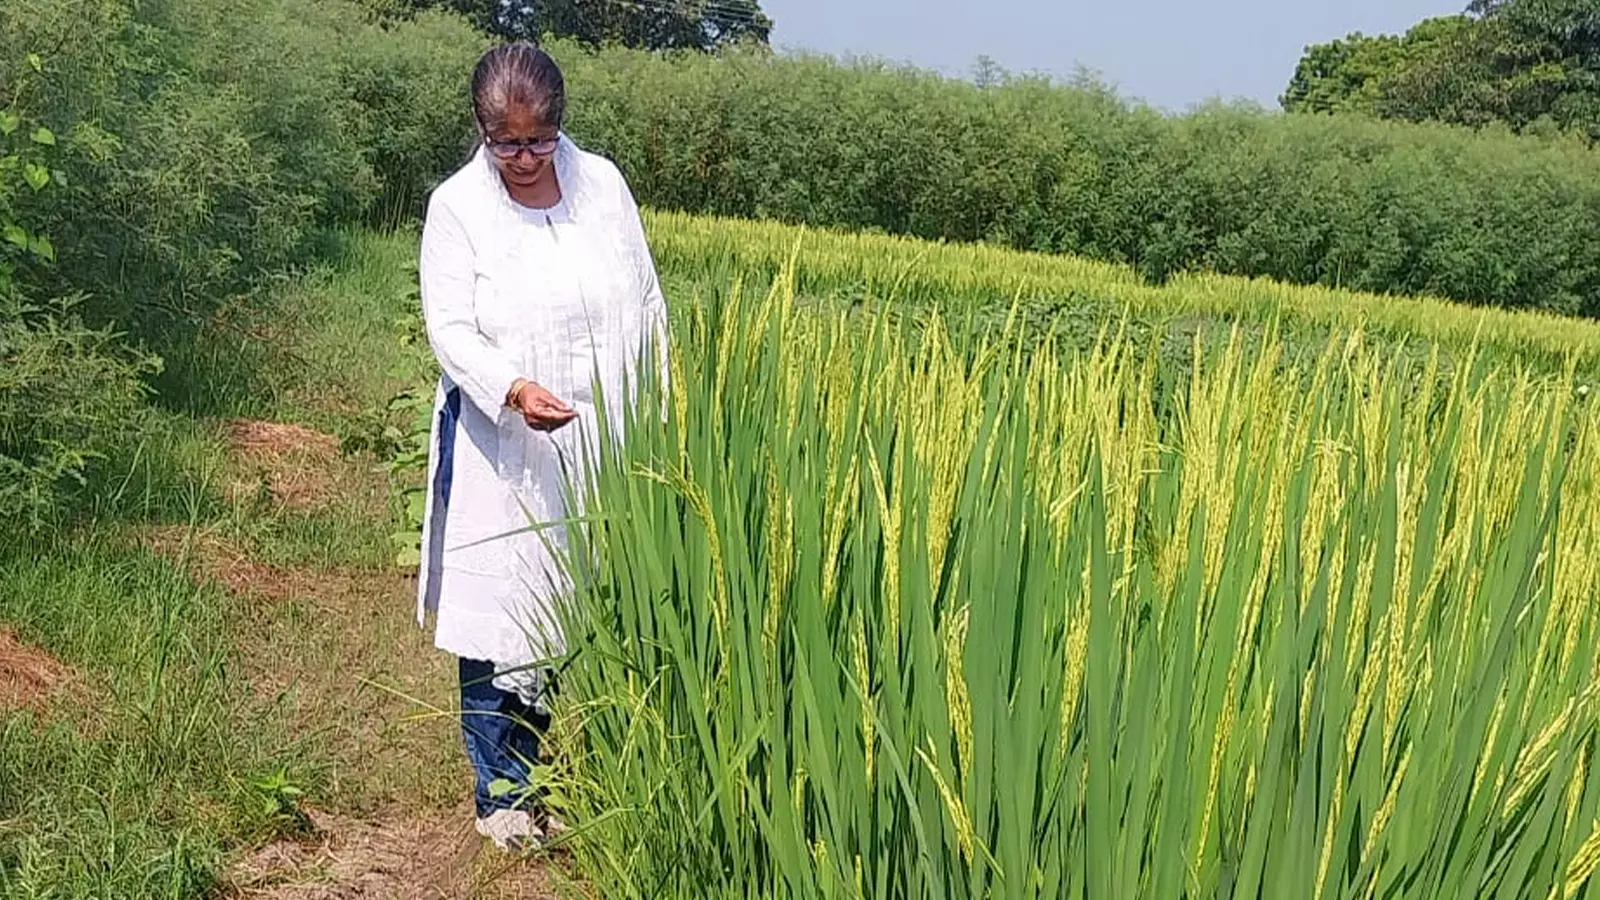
{"points": [[209, 556], [299, 468], [31, 679], [336, 651], [431, 856]]}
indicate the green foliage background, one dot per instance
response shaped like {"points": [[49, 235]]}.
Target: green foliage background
{"points": [[166, 165], [1532, 65], [206, 149], [1484, 218], [202, 151]]}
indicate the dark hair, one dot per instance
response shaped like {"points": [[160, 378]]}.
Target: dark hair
{"points": [[518, 74]]}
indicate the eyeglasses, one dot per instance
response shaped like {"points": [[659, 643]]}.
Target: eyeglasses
{"points": [[510, 149]]}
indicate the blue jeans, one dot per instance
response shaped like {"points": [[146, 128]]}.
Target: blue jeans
{"points": [[502, 735]]}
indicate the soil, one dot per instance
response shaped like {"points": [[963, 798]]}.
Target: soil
{"points": [[432, 856], [298, 467], [337, 650], [31, 679]]}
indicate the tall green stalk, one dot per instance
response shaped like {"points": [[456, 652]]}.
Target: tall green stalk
{"points": [[869, 615]]}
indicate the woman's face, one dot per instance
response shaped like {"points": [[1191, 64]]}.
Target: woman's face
{"points": [[520, 145]]}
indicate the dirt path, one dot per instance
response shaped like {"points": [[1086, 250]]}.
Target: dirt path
{"points": [[337, 651], [418, 855]]}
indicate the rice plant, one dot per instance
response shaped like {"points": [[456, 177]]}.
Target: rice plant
{"points": [[703, 249], [874, 615]]}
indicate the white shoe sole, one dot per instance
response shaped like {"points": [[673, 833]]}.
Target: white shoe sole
{"points": [[512, 842]]}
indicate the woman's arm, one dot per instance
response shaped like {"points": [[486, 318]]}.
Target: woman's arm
{"points": [[649, 282], [484, 374]]}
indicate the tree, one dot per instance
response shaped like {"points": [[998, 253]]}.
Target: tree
{"points": [[651, 24], [1343, 75], [1546, 59], [1521, 62], [987, 73], [1360, 73], [1445, 75]]}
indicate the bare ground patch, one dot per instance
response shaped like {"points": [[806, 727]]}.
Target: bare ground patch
{"points": [[419, 857], [297, 467], [337, 651], [209, 556], [30, 678]]}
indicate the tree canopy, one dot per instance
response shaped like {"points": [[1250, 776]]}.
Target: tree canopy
{"points": [[1526, 63], [647, 24]]}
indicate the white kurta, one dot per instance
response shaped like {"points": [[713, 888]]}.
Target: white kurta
{"points": [[560, 297]]}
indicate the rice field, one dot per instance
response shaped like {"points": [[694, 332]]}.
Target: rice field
{"points": [[883, 610], [701, 251]]}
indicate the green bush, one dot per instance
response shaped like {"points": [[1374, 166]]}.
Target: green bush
{"points": [[218, 141], [212, 140], [412, 79], [67, 392], [199, 150], [1484, 217]]}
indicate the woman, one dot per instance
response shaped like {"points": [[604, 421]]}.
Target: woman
{"points": [[537, 286]]}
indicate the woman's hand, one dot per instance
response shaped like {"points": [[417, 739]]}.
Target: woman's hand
{"points": [[539, 408]]}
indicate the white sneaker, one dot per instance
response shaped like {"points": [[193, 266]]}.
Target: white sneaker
{"points": [[550, 827], [510, 829]]}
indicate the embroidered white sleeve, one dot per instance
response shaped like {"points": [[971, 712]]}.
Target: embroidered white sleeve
{"points": [[655, 302], [446, 269]]}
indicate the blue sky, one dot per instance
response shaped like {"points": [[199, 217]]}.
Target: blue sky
{"points": [[1170, 53]]}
